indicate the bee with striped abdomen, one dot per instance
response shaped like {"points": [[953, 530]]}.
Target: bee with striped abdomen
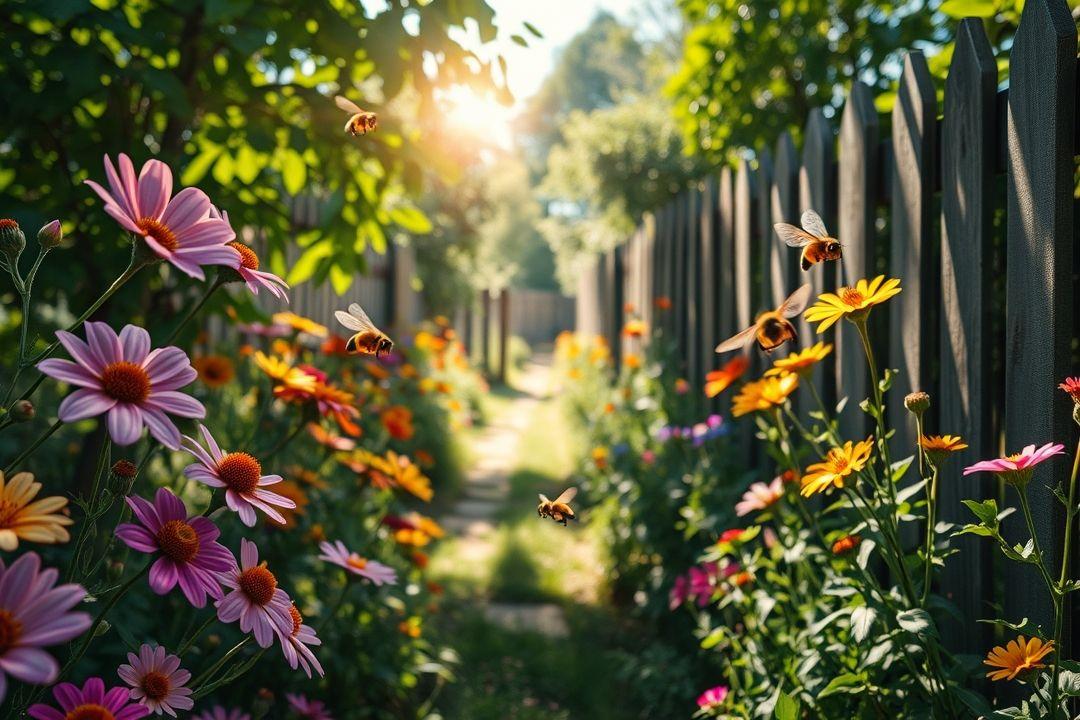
{"points": [[368, 340], [817, 246], [558, 509], [360, 122], [771, 329]]}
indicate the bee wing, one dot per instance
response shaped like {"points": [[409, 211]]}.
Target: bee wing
{"points": [[544, 498], [567, 495], [362, 317], [347, 105], [738, 341], [796, 302], [348, 320], [812, 224], [793, 236]]}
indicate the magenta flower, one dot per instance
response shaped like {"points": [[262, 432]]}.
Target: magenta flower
{"points": [[178, 229], [35, 613], [760, 496], [308, 709], [92, 702], [241, 476], [255, 600], [157, 680], [1016, 469], [713, 697], [295, 646], [219, 713], [679, 592], [191, 556], [122, 376], [702, 582], [372, 570], [249, 271]]}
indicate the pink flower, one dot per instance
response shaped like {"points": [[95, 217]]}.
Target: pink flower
{"points": [[178, 229], [157, 680], [648, 457], [760, 496], [702, 582], [220, 713], [679, 593], [34, 614], [249, 270], [241, 476], [1017, 468], [374, 571], [713, 697], [122, 376], [308, 709], [91, 702], [190, 553], [295, 646], [255, 600]]}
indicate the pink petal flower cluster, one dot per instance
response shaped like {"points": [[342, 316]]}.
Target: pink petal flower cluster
{"points": [[1017, 468], [120, 375], [249, 270], [157, 680], [372, 570], [255, 599], [308, 709], [178, 229], [713, 697], [91, 701], [760, 496], [35, 613]]}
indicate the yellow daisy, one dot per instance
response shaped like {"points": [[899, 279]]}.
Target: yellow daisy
{"points": [[300, 324], [764, 394], [38, 522], [838, 464], [802, 362], [288, 376], [214, 370], [1019, 655], [939, 447], [853, 303]]}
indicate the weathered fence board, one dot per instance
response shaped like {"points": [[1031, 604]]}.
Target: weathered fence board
{"points": [[709, 279], [768, 239], [693, 289], [744, 244], [678, 292], [785, 208], [726, 253]]}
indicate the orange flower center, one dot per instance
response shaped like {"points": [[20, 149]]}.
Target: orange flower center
{"points": [[240, 472], [90, 711], [8, 224], [10, 630], [158, 230], [125, 381], [124, 469], [852, 297], [258, 584], [297, 619], [178, 541], [156, 686], [248, 258], [356, 562]]}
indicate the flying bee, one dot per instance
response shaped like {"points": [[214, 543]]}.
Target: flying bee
{"points": [[558, 509], [771, 329], [361, 122], [368, 339], [813, 238]]}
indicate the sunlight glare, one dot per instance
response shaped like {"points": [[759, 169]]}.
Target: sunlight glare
{"points": [[482, 117]]}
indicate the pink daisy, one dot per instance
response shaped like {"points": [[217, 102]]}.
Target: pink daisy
{"points": [[373, 570], [92, 702], [219, 713], [157, 680], [760, 496], [713, 697], [1017, 468], [178, 229], [191, 556], [122, 376], [35, 613], [241, 476], [249, 271], [308, 709], [255, 600], [680, 591], [295, 645]]}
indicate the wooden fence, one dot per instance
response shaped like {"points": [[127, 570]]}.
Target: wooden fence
{"points": [[971, 205]]}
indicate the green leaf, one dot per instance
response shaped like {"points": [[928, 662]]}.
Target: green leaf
{"points": [[305, 267], [865, 549], [532, 30], [787, 708], [293, 171], [520, 40], [976, 702], [197, 168], [986, 511], [900, 468], [410, 219], [916, 621], [846, 683], [969, 8], [862, 619]]}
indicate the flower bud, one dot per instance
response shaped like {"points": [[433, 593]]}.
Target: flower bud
{"points": [[22, 411], [121, 476], [1076, 414], [917, 403], [12, 239], [49, 236]]}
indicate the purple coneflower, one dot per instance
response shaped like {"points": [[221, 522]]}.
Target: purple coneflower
{"points": [[122, 376], [372, 570], [241, 476], [190, 553], [308, 709], [92, 702], [255, 600], [295, 645], [157, 680]]}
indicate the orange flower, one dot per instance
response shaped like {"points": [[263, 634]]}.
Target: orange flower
{"points": [[398, 421], [307, 477], [846, 544], [377, 371], [408, 477], [300, 324], [410, 627], [420, 559], [662, 303], [408, 371], [425, 525], [334, 345], [635, 328], [1020, 655], [764, 394], [423, 457], [214, 370], [631, 361], [720, 380], [295, 493], [939, 447], [629, 308], [42, 521], [802, 362], [411, 537], [837, 465], [609, 407]]}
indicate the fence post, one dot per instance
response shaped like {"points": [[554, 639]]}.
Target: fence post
{"points": [[725, 257], [678, 278], [708, 314], [785, 208], [766, 237], [692, 278], [504, 332], [648, 270], [485, 310], [616, 277], [1040, 321], [745, 244], [858, 186]]}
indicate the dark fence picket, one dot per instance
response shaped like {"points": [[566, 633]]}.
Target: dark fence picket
{"points": [[785, 208], [679, 297], [744, 244], [764, 178], [709, 280], [1040, 294], [666, 243], [693, 287], [967, 393], [726, 253], [647, 298]]}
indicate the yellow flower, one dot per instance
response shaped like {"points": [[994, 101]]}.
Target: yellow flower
{"points": [[214, 370], [764, 394], [635, 328], [289, 377], [38, 522], [600, 457], [411, 537], [853, 303], [426, 525], [838, 464], [300, 324], [939, 447], [408, 476], [1019, 655], [631, 361], [802, 362]]}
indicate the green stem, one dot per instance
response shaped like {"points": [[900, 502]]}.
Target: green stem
{"points": [[186, 645], [202, 682], [931, 512], [879, 405], [91, 505], [284, 441], [25, 296], [1025, 507], [218, 282], [1059, 609], [833, 435], [34, 446]]}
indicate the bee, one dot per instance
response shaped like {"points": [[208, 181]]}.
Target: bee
{"points": [[771, 329], [368, 339], [813, 238], [558, 509], [361, 122]]}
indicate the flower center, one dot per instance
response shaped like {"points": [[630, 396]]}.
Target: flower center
{"points": [[125, 381], [356, 562], [10, 630], [8, 224], [248, 258], [240, 472], [156, 686], [840, 463], [158, 230], [297, 619], [1014, 457], [90, 711], [852, 297], [178, 541], [258, 584], [124, 469]]}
